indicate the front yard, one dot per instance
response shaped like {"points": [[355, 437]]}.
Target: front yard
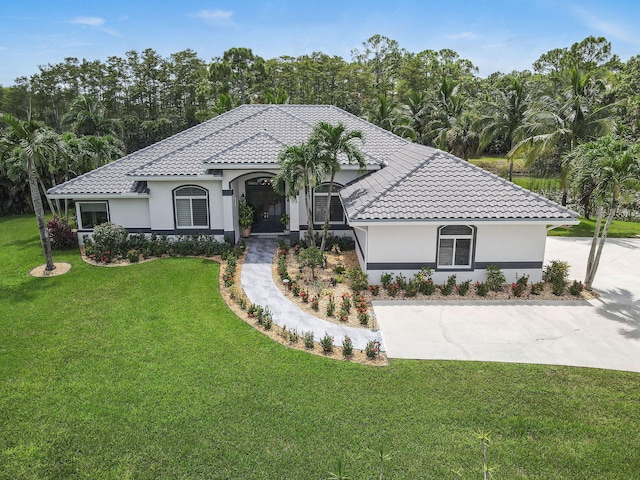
{"points": [[143, 372]]}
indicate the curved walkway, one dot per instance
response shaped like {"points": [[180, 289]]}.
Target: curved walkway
{"points": [[257, 281]]}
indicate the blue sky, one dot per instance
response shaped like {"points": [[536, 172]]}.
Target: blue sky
{"points": [[495, 35]]}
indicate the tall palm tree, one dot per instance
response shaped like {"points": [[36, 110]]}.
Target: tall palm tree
{"points": [[331, 141], [504, 115], [300, 169], [34, 142], [387, 113], [558, 123], [86, 116], [605, 166]]}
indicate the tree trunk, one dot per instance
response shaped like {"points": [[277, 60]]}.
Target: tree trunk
{"points": [[42, 227], [511, 170], [53, 184], [311, 241], [594, 243], [603, 239], [327, 217]]}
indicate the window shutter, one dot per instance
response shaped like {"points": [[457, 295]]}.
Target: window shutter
{"points": [[200, 212], [320, 208], [337, 213], [183, 212], [446, 251]]}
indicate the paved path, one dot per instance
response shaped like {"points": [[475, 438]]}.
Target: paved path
{"points": [[602, 333], [257, 282]]}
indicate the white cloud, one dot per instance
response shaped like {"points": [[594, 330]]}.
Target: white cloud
{"points": [[90, 21], [217, 18], [2, 47], [464, 35], [95, 22]]}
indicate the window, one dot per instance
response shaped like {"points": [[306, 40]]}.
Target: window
{"points": [[455, 246], [92, 214], [191, 207], [321, 202]]}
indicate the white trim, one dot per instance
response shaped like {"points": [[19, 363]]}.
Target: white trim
{"points": [[173, 178], [96, 196], [332, 195], [190, 198], [464, 221], [455, 237]]}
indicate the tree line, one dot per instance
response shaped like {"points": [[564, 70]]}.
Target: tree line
{"points": [[104, 109]]}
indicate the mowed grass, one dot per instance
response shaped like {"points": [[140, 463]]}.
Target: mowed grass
{"points": [[618, 229], [142, 372]]}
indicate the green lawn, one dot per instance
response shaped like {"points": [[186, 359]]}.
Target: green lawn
{"points": [[142, 372], [618, 229]]}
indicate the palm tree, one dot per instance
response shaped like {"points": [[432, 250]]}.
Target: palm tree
{"points": [[504, 115], [462, 138], [443, 114], [605, 166], [387, 113], [86, 116], [300, 169], [35, 143], [331, 141], [558, 123]]}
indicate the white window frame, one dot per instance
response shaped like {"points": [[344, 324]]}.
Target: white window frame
{"points": [[456, 238], [334, 194], [190, 198], [79, 205]]}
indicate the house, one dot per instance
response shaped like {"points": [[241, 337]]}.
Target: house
{"points": [[415, 206]]}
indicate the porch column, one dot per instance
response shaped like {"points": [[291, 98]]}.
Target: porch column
{"points": [[294, 219], [227, 211]]}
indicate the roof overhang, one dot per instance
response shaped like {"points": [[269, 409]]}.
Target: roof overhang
{"points": [[465, 221], [95, 196]]}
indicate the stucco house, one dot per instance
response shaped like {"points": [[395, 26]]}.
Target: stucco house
{"points": [[415, 206]]}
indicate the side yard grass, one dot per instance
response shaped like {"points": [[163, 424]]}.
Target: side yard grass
{"points": [[143, 372], [618, 229]]}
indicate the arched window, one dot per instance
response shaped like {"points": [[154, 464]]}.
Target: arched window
{"points": [[191, 206], [322, 200], [455, 244]]}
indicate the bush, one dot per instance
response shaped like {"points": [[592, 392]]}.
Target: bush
{"points": [[343, 242], [556, 273], [331, 307], [363, 316], [495, 278], [311, 258], [61, 235], [482, 289], [520, 286], [372, 349], [463, 288], [374, 289], [575, 288], [358, 279], [133, 256], [110, 237], [427, 287], [386, 279], [326, 343], [537, 288], [347, 347], [308, 339]]}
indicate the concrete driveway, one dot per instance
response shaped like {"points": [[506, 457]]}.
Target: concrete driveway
{"points": [[602, 333]]}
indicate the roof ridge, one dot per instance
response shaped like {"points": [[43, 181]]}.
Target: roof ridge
{"points": [[243, 141]]}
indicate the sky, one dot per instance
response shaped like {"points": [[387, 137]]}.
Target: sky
{"points": [[501, 35]]}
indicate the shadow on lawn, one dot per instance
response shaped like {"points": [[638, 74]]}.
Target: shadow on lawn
{"points": [[619, 305], [24, 291]]}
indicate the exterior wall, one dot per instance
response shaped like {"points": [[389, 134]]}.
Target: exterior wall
{"points": [[517, 249], [161, 207], [130, 212]]}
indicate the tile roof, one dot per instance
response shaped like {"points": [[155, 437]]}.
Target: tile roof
{"points": [[416, 183], [227, 139], [423, 183]]}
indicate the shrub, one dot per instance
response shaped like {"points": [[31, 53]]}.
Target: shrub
{"points": [[495, 278], [537, 288], [61, 235], [482, 288], [326, 343], [110, 236], [463, 288], [363, 316], [331, 307], [575, 288], [311, 258], [374, 289], [267, 319], [339, 269], [411, 289], [343, 315], [372, 349], [427, 287], [315, 303], [401, 280], [347, 347], [359, 280], [338, 242], [556, 273], [133, 256], [520, 286], [392, 289], [294, 336], [308, 339], [386, 279], [346, 303]]}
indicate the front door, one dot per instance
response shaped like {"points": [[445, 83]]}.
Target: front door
{"points": [[267, 205]]}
